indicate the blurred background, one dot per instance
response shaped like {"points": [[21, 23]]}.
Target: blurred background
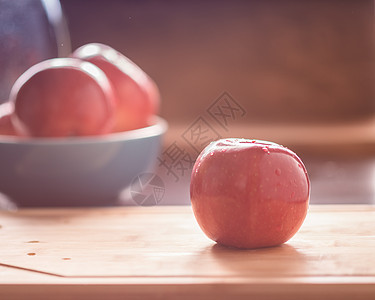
{"points": [[303, 61], [300, 73]]}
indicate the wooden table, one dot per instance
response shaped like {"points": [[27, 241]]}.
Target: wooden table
{"points": [[160, 253]]}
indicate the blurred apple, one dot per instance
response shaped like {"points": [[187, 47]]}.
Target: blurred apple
{"points": [[137, 94], [6, 126], [248, 193], [63, 97]]}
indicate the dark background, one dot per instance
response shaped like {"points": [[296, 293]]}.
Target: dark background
{"points": [[284, 61]]}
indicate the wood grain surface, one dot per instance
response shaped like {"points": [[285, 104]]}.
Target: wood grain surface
{"points": [[160, 253]]}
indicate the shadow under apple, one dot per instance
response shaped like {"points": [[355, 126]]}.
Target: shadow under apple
{"points": [[282, 260]]}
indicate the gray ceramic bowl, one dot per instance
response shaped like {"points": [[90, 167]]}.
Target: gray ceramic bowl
{"points": [[80, 171]]}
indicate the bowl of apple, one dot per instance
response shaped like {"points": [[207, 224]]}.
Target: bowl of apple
{"points": [[76, 131]]}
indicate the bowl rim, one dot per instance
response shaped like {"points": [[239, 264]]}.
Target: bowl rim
{"points": [[159, 126]]}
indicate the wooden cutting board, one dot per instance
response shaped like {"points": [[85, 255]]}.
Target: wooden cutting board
{"points": [[160, 253]]}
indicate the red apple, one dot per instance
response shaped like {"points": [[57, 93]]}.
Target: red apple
{"points": [[63, 97], [137, 94], [249, 193], [6, 126]]}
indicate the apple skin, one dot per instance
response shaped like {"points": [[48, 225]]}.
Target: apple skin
{"points": [[138, 97], [6, 125], [248, 193], [63, 97]]}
